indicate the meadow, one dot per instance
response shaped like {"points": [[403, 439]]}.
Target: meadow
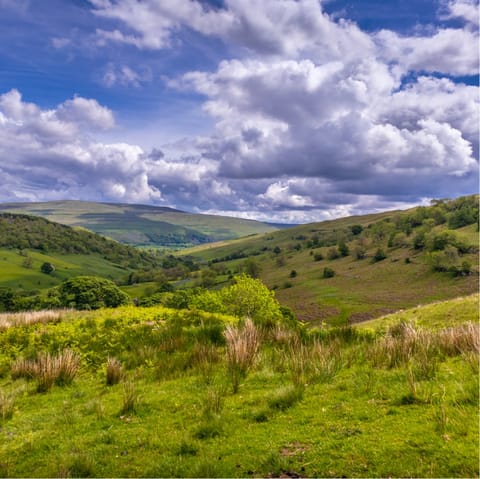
{"points": [[156, 392]]}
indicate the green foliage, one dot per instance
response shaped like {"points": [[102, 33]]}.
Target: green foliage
{"points": [[343, 249], [379, 255], [22, 232], [328, 272], [90, 292], [47, 268], [252, 268]]}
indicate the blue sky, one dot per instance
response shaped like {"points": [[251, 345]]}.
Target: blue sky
{"points": [[280, 110]]}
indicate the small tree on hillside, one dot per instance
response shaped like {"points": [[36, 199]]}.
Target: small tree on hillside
{"points": [[47, 268]]}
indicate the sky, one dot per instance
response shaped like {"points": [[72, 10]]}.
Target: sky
{"points": [[287, 111]]}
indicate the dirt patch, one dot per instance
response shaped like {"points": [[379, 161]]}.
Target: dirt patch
{"points": [[293, 449], [314, 312], [360, 317]]}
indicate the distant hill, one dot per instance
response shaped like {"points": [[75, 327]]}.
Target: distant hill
{"points": [[143, 225], [27, 242], [352, 269]]}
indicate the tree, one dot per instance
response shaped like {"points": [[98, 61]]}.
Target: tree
{"points": [[91, 292], [343, 249], [47, 268], [252, 268]]}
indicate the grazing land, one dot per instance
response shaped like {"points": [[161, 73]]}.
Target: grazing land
{"points": [[154, 392]]}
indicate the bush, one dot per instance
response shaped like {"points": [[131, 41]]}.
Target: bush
{"points": [[380, 255], [47, 268], [328, 272]]}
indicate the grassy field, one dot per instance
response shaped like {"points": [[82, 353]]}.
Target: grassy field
{"points": [[324, 403], [14, 274], [142, 225]]}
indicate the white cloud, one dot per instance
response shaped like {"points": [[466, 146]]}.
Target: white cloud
{"points": [[86, 112], [125, 76], [449, 51], [468, 10]]}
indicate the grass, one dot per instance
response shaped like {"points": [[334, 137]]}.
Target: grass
{"points": [[359, 420], [16, 276]]}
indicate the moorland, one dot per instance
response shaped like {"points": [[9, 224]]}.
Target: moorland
{"points": [[342, 348]]}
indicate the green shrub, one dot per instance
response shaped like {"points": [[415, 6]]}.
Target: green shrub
{"points": [[328, 272], [379, 255]]}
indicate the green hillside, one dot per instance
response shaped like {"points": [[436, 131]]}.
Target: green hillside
{"points": [[380, 263], [28, 242], [156, 392], [142, 225]]}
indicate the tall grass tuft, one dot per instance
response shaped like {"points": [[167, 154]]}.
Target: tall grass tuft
{"points": [[313, 361], [7, 405], [114, 371], [460, 339], [131, 398], [404, 342], [48, 369], [243, 344]]}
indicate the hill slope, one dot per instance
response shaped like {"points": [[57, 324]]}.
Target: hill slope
{"points": [[380, 263], [142, 225], [26, 242]]}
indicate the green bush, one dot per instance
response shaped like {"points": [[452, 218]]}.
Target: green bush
{"points": [[90, 292], [328, 272]]}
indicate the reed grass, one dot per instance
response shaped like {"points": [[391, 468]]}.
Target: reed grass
{"points": [[243, 344]]}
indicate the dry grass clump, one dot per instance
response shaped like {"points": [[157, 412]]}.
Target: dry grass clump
{"points": [[405, 344], [402, 342], [243, 344], [48, 369], [460, 339], [114, 371], [26, 318], [315, 361]]}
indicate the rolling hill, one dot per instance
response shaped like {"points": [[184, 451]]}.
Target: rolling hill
{"points": [[27, 242], [142, 225], [377, 263]]}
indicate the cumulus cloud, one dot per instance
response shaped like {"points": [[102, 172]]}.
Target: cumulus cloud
{"points": [[314, 118], [54, 154]]}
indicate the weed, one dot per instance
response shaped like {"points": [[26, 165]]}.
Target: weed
{"points": [[114, 371], [243, 344], [7, 405], [131, 398], [214, 401]]}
